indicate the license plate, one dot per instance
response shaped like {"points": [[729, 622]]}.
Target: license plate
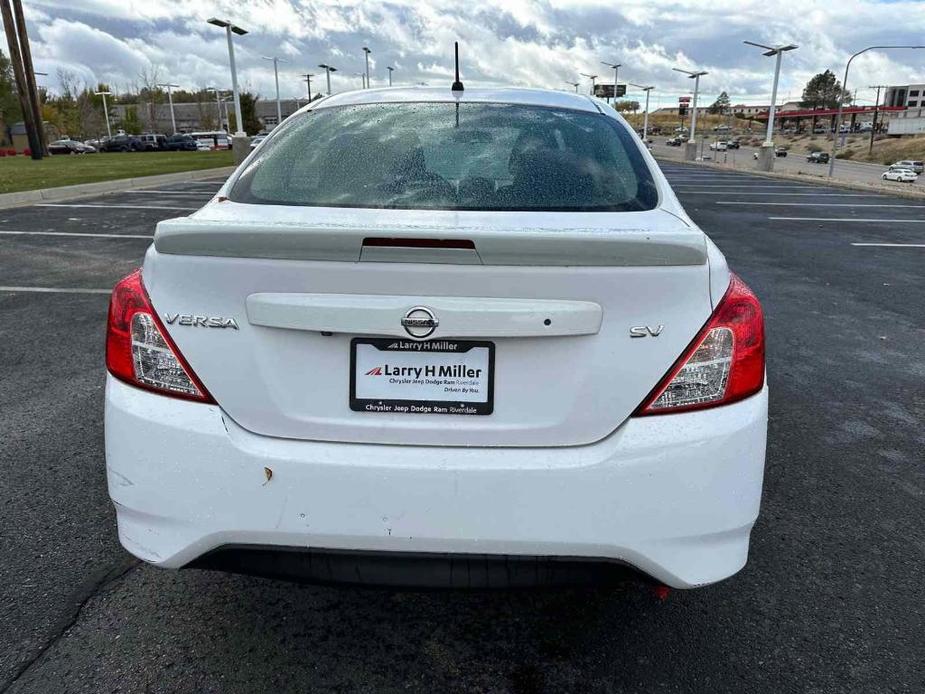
{"points": [[429, 377]]}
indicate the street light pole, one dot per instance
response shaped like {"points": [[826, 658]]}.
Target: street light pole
{"points": [[590, 77], [574, 84], [173, 119], [645, 117], [390, 68], [229, 30], [279, 107], [777, 51], [218, 104], [696, 77], [105, 111], [844, 87], [328, 69], [616, 75], [366, 52]]}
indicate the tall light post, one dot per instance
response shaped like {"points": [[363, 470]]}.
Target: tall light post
{"points": [[366, 53], [574, 84], [645, 117], [173, 118], [279, 107], [218, 104], [362, 78], [328, 69], [308, 81], [105, 111], [844, 86], [229, 30], [616, 74], [769, 51], [390, 68], [590, 77], [696, 77]]}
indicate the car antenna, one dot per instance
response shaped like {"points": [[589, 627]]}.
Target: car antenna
{"points": [[457, 85]]}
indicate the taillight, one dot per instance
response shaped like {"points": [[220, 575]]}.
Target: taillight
{"points": [[723, 364], [138, 349]]}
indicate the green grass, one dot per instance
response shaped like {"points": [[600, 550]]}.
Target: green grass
{"points": [[21, 173]]}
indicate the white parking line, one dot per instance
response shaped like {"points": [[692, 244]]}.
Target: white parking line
{"points": [[748, 186], [849, 219], [167, 192], [892, 245], [55, 290], [819, 195], [9, 232], [121, 207], [811, 204]]}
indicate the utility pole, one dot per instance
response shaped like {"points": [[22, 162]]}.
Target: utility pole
{"points": [[873, 129], [29, 69], [390, 68], [173, 119], [26, 102], [308, 81]]}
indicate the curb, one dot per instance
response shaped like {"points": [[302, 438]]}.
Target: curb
{"points": [[82, 190], [912, 194]]}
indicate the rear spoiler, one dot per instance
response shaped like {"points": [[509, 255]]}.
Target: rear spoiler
{"points": [[457, 245]]}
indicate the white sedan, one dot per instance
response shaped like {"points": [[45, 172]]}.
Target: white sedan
{"points": [[900, 175], [719, 146], [439, 338]]}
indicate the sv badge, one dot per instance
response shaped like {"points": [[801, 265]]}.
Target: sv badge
{"points": [[646, 331], [200, 321]]}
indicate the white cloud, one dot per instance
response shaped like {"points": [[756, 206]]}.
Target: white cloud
{"points": [[526, 42]]}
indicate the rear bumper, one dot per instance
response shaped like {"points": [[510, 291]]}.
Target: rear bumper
{"points": [[674, 496]]}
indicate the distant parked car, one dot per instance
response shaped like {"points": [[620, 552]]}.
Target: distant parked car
{"points": [[732, 144], [180, 143], [780, 151], [217, 139], [674, 141], [70, 147], [204, 146], [123, 143], [916, 166], [719, 146], [152, 142], [900, 175], [820, 130], [257, 139], [721, 128], [818, 157]]}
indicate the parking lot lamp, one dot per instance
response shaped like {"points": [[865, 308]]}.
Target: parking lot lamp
{"points": [[777, 51], [276, 62], [616, 74], [173, 119], [390, 68], [105, 111], [590, 77], [218, 104], [574, 84], [696, 77], [844, 86], [229, 30], [645, 116], [366, 51], [328, 69]]}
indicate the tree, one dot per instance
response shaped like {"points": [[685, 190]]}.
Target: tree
{"points": [[624, 106], [721, 105], [130, 122], [252, 124], [10, 111], [824, 91]]}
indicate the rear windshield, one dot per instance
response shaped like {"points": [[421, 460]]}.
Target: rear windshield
{"points": [[449, 156]]}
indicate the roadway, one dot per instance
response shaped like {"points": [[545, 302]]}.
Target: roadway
{"points": [[830, 601]]}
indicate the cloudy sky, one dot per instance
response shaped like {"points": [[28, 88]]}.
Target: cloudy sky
{"points": [[518, 42]]}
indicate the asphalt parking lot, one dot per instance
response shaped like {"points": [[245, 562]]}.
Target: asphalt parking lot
{"points": [[830, 601]]}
